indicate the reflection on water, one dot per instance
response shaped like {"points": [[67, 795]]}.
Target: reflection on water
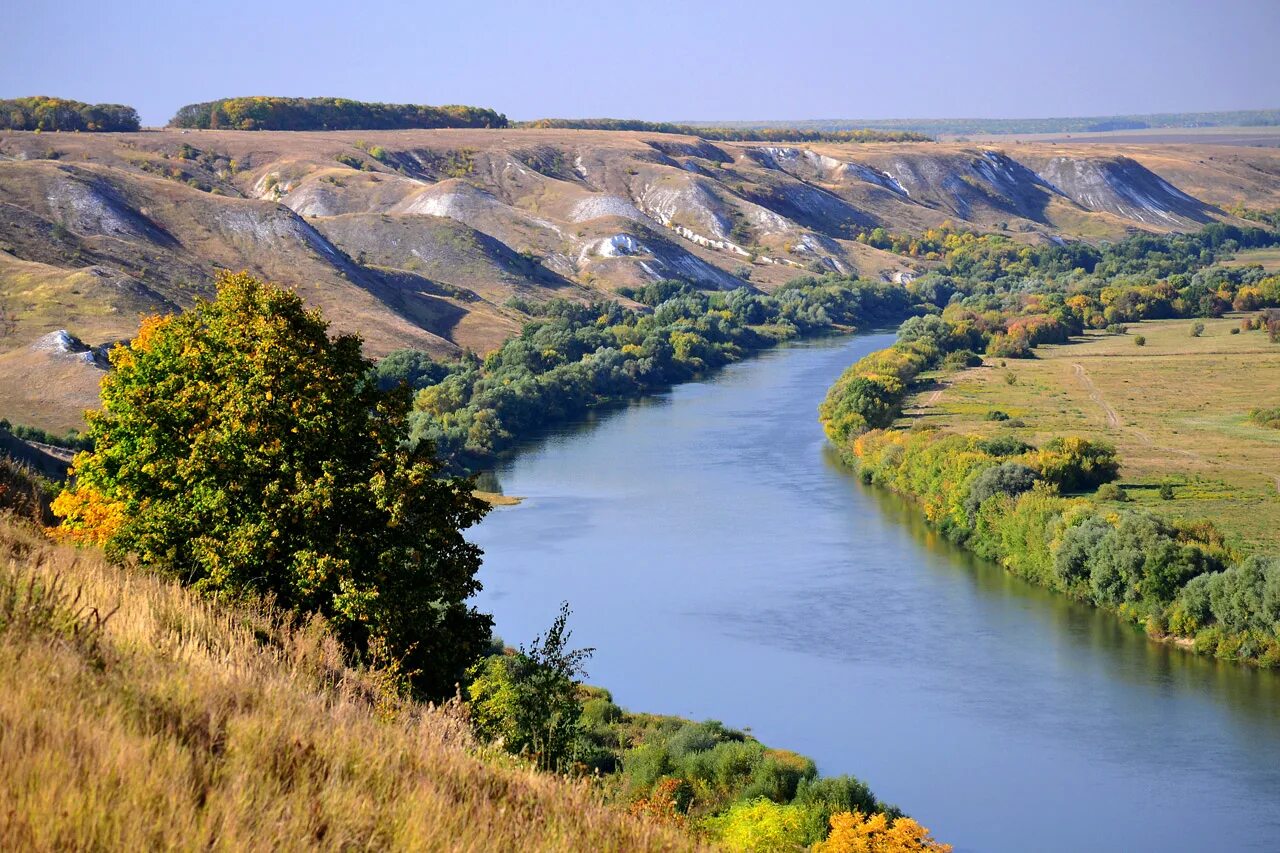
{"points": [[1131, 654], [726, 567]]}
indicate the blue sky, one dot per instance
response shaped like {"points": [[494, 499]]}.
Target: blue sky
{"points": [[658, 59]]}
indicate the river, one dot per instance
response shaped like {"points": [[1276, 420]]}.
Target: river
{"points": [[725, 566]]}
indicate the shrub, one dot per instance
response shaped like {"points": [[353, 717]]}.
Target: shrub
{"points": [[961, 359], [1166, 491], [1112, 492], [760, 825], [1266, 417], [1007, 478], [1242, 598], [1197, 329], [1140, 560], [1004, 445], [1008, 346], [996, 415], [1117, 328], [855, 832], [1140, 340], [823, 798], [1235, 330], [1247, 596], [529, 700], [1076, 464]]}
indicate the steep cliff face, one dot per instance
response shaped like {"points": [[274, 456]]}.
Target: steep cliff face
{"points": [[1124, 187], [419, 238]]}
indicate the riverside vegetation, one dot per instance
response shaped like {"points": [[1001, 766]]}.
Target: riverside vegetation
{"points": [[575, 356], [280, 592], [1050, 513]]}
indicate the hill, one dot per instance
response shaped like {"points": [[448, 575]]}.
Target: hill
{"points": [[432, 238], [168, 720]]}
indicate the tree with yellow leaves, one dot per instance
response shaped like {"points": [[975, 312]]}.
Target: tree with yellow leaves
{"points": [[854, 832]]}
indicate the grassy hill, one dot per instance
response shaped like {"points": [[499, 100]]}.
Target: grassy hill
{"points": [[428, 238], [166, 720]]}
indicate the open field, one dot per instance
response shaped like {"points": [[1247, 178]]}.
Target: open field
{"points": [[1268, 259], [1176, 409]]}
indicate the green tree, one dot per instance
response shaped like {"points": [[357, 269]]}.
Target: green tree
{"points": [[245, 451]]}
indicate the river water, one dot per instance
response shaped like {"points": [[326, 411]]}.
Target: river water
{"points": [[726, 567]]}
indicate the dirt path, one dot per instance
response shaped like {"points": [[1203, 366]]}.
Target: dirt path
{"points": [[1113, 420]]}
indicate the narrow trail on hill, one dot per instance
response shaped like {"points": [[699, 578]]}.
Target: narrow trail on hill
{"points": [[1113, 420]]}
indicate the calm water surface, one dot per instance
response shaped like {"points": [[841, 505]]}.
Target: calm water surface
{"points": [[725, 566]]}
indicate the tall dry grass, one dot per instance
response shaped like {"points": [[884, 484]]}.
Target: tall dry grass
{"points": [[137, 716]]}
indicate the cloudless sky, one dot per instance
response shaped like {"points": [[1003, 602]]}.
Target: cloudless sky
{"points": [[749, 59]]}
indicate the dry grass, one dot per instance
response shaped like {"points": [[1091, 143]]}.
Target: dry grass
{"points": [[47, 390], [1177, 409], [1268, 259], [178, 723]]}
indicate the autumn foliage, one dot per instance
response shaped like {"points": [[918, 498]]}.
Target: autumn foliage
{"points": [[854, 832], [242, 450]]}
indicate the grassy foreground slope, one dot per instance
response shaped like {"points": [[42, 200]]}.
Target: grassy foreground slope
{"points": [[169, 721], [1177, 410]]}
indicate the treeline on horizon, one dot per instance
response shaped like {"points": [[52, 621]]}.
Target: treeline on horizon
{"points": [[43, 113], [275, 113], [728, 133], [1062, 124]]}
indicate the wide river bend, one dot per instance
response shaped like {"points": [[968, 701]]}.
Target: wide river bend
{"points": [[725, 566]]}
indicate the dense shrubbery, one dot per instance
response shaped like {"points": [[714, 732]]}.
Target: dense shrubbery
{"points": [[869, 394], [269, 113], [44, 113], [1266, 417], [996, 312], [729, 134], [573, 356], [1010, 503]]}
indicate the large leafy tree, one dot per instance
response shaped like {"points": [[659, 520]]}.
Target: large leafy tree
{"points": [[245, 451]]}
